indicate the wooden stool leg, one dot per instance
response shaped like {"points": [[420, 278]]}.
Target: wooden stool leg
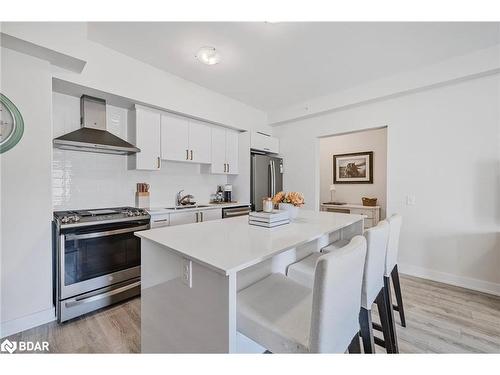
{"points": [[390, 314], [365, 322], [355, 346], [399, 296], [384, 312]]}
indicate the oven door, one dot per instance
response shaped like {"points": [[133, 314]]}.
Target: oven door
{"points": [[93, 258]]}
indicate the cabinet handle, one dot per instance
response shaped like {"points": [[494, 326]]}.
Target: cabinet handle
{"points": [[227, 167], [224, 167], [158, 162], [191, 154], [187, 154], [197, 217], [201, 215]]}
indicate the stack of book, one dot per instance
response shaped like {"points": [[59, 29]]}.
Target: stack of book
{"points": [[269, 219]]}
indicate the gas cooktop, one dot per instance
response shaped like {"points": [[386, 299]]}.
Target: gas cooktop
{"points": [[96, 216]]}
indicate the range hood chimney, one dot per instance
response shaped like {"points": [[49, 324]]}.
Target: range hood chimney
{"points": [[93, 136]]}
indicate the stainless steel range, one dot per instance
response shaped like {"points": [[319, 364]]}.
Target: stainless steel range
{"points": [[97, 258]]}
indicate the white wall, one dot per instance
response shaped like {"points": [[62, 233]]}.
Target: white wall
{"points": [[115, 73], [89, 180], [371, 140], [26, 255], [443, 147]]}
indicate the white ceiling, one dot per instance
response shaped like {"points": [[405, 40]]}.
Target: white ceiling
{"points": [[272, 65]]}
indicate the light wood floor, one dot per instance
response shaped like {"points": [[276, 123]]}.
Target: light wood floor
{"points": [[440, 319]]}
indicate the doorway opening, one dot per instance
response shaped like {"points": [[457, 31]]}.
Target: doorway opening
{"points": [[353, 166]]}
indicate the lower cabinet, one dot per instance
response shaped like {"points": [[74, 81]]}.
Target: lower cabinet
{"points": [[212, 214], [189, 217]]}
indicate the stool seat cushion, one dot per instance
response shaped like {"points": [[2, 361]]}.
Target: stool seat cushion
{"points": [[303, 270], [276, 313]]}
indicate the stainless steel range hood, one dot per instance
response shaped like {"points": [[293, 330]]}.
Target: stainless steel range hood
{"points": [[93, 136]]}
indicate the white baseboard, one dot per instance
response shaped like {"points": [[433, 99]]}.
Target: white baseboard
{"points": [[448, 278], [26, 322]]}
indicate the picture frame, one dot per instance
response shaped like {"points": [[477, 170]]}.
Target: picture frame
{"points": [[353, 168]]}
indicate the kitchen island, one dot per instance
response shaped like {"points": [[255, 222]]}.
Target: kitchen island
{"points": [[191, 274]]}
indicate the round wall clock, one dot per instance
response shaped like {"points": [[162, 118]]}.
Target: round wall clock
{"points": [[11, 124]]}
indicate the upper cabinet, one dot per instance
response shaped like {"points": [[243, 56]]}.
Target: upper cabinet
{"points": [[263, 142], [146, 131], [183, 139], [224, 151], [165, 136]]}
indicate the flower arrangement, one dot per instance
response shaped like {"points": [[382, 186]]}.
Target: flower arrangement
{"points": [[295, 198]]}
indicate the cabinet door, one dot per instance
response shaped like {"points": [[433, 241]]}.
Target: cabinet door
{"points": [[218, 150], [212, 214], [147, 139], [232, 151], [179, 218], [199, 142], [174, 138]]}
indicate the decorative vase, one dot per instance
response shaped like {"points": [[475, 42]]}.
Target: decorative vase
{"points": [[293, 211]]}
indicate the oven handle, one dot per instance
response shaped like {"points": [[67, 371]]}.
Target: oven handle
{"points": [[104, 234], [97, 297]]}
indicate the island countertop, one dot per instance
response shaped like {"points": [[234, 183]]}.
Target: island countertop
{"points": [[230, 245]]}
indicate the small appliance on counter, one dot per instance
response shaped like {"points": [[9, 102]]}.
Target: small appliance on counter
{"points": [[228, 189]]}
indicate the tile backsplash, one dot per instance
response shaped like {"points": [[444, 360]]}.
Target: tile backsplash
{"points": [[91, 180]]}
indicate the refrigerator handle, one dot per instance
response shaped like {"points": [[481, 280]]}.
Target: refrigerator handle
{"points": [[273, 179]]}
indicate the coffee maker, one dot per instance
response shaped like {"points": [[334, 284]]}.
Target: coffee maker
{"points": [[228, 189]]}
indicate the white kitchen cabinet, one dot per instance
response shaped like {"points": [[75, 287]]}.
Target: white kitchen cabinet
{"points": [[178, 218], [199, 142], [212, 214], [174, 138], [183, 139], [224, 151], [263, 142], [147, 138], [218, 150], [232, 151]]}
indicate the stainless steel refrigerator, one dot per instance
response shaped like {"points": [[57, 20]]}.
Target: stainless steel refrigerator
{"points": [[266, 178]]}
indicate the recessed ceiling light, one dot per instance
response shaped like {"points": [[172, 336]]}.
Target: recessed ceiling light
{"points": [[208, 55]]}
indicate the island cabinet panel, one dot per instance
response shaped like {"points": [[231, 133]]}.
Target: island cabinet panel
{"points": [[178, 318], [147, 132], [174, 138]]}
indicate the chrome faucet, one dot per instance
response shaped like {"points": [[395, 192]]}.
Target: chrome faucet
{"points": [[181, 199]]}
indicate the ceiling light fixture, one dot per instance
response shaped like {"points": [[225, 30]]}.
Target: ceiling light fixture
{"points": [[208, 55]]}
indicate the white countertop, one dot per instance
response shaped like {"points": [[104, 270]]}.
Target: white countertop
{"points": [[230, 245], [208, 206]]}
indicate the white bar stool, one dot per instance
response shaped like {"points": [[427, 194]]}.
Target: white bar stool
{"points": [[286, 317], [391, 271], [373, 290], [373, 284]]}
